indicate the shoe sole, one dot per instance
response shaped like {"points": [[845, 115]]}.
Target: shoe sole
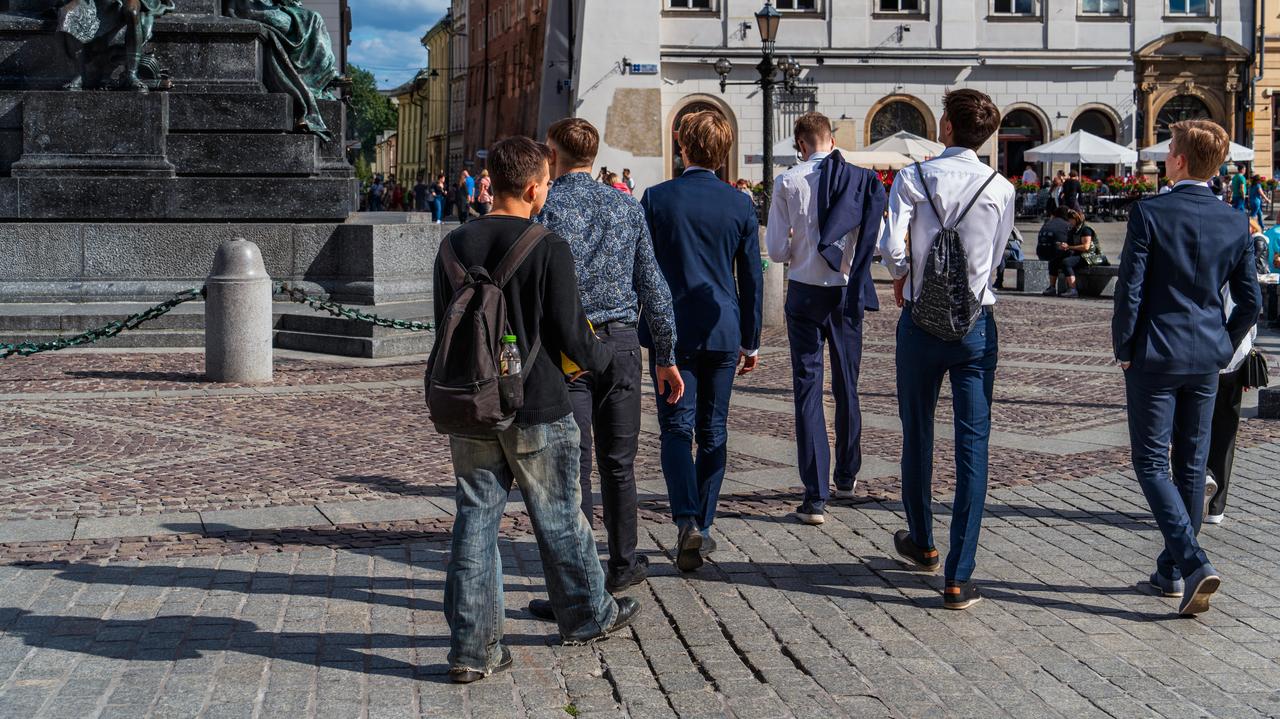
{"points": [[462, 678], [812, 520], [961, 605], [607, 633], [633, 582], [1167, 595], [910, 563], [689, 555], [1214, 519], [1199, 601]]}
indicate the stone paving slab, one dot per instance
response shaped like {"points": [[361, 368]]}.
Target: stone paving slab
{"points": [[32, 530], [265, 518], [147, 525], [387, 510]]}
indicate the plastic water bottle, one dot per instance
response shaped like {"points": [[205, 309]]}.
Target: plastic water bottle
{"points": [[509, 359]]}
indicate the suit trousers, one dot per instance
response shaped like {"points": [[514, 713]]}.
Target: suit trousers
{"points": [[818, 316], [1222, 437], [702, 414], [607, 410], [923, 360], [1172, 410]]}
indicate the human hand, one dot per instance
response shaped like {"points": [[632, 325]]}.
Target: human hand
{"points": [[747, 364], [670, 383], [1063, 245], [899, 286], [1125, 365]]}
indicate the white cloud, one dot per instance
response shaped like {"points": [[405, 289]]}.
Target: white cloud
{"points": [[393, 56]]}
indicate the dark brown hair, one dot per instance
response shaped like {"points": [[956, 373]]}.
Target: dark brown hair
{"points": [[974, 117], [576, 139], [515, 163], [706, 138], [1203, 143], [812, 127]]}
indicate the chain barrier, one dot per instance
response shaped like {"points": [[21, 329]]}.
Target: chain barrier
{"points": [[26, 349], [323, 305]]}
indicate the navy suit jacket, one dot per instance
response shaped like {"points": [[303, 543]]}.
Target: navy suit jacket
{"points": [[1183, 247], [704, 233]]}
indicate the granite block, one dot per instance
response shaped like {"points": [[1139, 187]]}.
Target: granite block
{"points": [[197, 7], [252, 198], [209, 53], [37, 530], [171, 250], [33, 56], [10, 110], [148, 525], [8, 197], [10, 149], [91, 198], [332, 153], [224, 111], [127, 137], [228, 520], [211, 154], [315, 251], [1269, 403], [49, 251]]}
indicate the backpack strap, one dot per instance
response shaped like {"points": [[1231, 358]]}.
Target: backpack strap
{"points": [[927, 195], [453, 269], [974, 201], [515, 257]]}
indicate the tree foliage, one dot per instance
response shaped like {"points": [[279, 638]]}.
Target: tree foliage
{"points": [[371, 113]]}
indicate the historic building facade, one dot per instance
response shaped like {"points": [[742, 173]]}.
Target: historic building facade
{"points": [[504, 72], [435, 114], [411, 149], [1122, 69]]}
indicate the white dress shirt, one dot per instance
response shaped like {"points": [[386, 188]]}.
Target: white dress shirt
{"points": [[1030, 177], [793, 232], [953, 178]]}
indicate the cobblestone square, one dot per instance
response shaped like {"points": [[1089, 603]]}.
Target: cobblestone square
{"points": [[173, 548]]}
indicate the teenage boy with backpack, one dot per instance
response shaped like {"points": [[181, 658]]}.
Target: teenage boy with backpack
{"points": [[502, 279], [958, 213]]}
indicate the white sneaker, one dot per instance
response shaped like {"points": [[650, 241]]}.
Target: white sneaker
{"points": [[1214, 518], [1210, 489], [810, 519]]}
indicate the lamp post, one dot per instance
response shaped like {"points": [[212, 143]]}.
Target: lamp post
{"points": [[767, 20]]}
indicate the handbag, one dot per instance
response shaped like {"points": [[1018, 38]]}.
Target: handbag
{"points": [[1256, 372]]}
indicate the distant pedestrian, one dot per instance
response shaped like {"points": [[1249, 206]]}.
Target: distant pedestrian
{"points": [[376, 191], [1256, 200], [422, 196], [955, 199], [1029, 176], [744, 186], [626, 178], [439, 197], [1172, 336], [395, 196], [616, 183], [462, 198], [484, 194], [1071, 192], [1239, 190]]}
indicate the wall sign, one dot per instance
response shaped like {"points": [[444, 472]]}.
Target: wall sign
{"points": [[643, 69]]}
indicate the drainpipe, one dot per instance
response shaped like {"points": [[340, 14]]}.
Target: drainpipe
{"points": [[573, 41]]}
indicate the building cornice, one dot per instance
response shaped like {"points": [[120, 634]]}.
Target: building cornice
{"points": [[861, 58]]}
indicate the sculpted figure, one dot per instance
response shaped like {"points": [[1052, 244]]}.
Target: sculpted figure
{"points": [[103, 35]]}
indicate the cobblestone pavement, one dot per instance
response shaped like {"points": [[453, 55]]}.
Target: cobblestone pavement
{"points": [[173, 548]]}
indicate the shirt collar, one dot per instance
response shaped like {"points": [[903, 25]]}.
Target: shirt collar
{"points": [[1184, 183], [695, 168], [964, 152], [579, 176], [818, 156]]}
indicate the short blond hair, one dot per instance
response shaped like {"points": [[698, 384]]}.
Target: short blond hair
{"points": [[1204, 143], [706, 138]]}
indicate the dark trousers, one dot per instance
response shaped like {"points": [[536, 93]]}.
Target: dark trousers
{"points": [[607, 409], [702, 414], [923, 360], [1172, 410], [818, 316], [1064, 263], [1222, 436]]}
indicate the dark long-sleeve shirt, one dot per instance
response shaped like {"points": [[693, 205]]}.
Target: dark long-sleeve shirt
{"points": [[542, 301], [613, 255]]}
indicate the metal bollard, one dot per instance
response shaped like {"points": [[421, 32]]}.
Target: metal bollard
{"points": [[237, 316]]}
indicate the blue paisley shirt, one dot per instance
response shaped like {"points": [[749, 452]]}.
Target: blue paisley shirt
{"points": [[613, 257]]}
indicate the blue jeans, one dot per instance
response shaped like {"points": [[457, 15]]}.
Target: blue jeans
{"points": [[1177, 410], [693, 486], [818, 316], [923, 360], [437, 208], [543, 461]]}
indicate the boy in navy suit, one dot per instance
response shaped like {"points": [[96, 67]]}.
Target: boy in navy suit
{"points": [[1171, 336], [703, 229]]}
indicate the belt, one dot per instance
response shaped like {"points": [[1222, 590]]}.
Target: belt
{"points": [[609, 328]]}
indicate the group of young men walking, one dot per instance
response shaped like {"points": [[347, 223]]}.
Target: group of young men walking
{"points": [[680, 273]]}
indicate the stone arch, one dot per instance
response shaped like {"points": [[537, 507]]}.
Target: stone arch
{"points": [[1011, 145], [926, 114], [693, 103], [1103, 109]]}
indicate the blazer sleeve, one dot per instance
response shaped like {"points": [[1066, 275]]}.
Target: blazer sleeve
{"points": [[1243, 285], [1128, 298], [750, 283], [875, 201], [563, 316]]}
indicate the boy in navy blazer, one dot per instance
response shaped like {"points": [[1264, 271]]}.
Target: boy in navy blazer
{"points": [[1171, 336], [706, 239]]}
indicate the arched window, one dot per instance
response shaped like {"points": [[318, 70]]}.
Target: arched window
{"points": [[1096, 122], [896, 116], [1020, 130], [677, 162], [1182, 107]]}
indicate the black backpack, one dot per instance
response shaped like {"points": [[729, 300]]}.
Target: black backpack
{"points": [[466, 391], [946, 307]]}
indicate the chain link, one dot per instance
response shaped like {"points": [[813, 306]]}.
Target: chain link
{"points": [[26, 349], [324, 305]]}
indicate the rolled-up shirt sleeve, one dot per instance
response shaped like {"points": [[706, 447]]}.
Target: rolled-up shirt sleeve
{"points": [[777, 237], [893, 235]]}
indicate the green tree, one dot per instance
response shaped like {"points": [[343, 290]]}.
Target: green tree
{"points": [[371, 113], [363, 173]]}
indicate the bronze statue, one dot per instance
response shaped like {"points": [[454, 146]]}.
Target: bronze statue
{"points": [[106, 36]]}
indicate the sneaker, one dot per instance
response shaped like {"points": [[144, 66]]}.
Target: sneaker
{"points": [[1050, 291], [960, 595], [1172, 588], [1214, 518], [465, 675], [628, 610], [845, 493], [708, 544], [1072, 292], [1200, 586], [916, 558], [688, 548], [618, 581], [1210, 489], [810, 517]]}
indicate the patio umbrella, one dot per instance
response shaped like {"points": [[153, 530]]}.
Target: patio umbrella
{"points": [[1159, 151], [913, 146], [1082, 147], [877, 159]]}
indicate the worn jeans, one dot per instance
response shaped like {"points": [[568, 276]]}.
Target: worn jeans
{"points": [[543, 461], [1172, 412], [702, 414], [923, 361], [606, 407]]}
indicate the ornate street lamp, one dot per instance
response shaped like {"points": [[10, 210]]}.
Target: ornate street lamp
{"points": [[767, 20]]}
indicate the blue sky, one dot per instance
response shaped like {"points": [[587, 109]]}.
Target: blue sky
{"points": [[386, 36]]}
